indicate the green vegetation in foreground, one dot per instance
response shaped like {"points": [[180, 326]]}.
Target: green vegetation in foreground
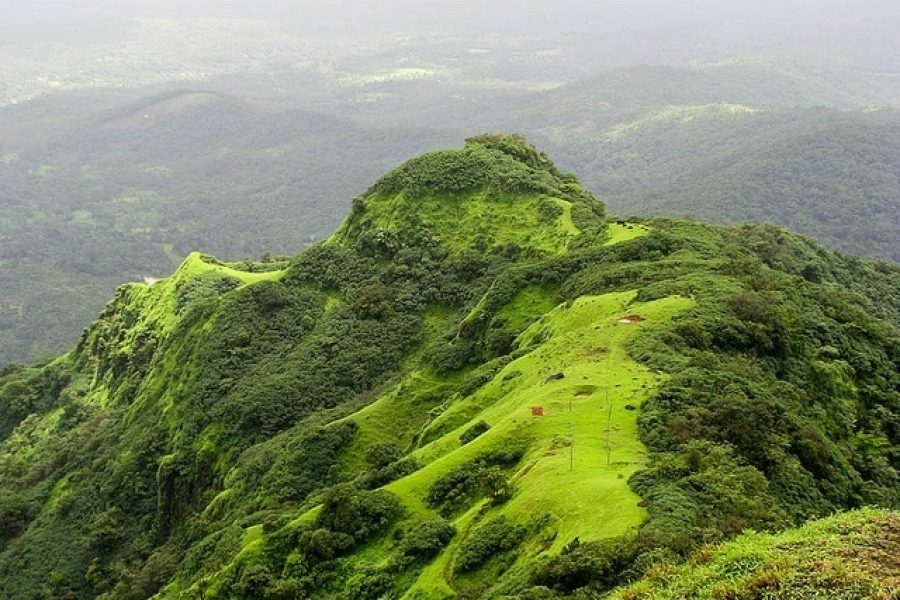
{"points": [[357, 422], [852, 555]]}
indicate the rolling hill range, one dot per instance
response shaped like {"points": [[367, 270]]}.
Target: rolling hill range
{"points": [[103, 186], [834, 175], [479, 386], [737, 142]]}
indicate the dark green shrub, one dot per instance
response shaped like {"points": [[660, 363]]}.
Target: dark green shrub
{"points": [[704, 489], [444, 171], [516, 146], [154, 574], [212, 549], [376, 478], [382, 454], [427, 538], [446, 357], [287, 589], [357, 513], [323, 544], [496, 485], [602, 564], [473, 432], [549, 210], [481, 375], [307, 463], [373, 301], [254, 582], [474, 479], [368, 584], [496, 536], [196, 291], [15, 514]]}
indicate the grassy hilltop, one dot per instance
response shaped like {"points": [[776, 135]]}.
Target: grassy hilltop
{"points": [[480, 386]]}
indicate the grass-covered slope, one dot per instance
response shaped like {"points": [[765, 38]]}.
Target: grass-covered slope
{"points": [[477, 387], [853, 555]]}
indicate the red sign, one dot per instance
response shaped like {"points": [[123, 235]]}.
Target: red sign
{"points": [[537, 411]]}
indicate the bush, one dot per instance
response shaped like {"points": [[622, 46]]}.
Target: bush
{"points": [[549, 210], [306, 463], [496, 536], [706, 492], [604, 564], [516, 146], [382, 454], [254, 582], [427, 538], [379, 477], [469, 481], [202, 288], [483, 374], [473, 432], [373, 302], [15, 515], [322, 544], [155, 573], [368, 584], [357, 513], [446, 357]]}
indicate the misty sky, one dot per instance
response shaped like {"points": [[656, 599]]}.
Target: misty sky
{"points": [[48, 45], [863, 30]]}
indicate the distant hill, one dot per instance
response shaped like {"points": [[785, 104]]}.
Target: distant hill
{"points": [[834, 175], [738, 142]]}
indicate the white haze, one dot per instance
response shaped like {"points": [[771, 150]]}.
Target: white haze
{"points": [[607, 32]]}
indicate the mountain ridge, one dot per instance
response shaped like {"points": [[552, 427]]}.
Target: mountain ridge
{"points": [[250, 174]]}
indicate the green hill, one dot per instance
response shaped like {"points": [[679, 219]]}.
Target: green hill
{"points": [[477, 387]]}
